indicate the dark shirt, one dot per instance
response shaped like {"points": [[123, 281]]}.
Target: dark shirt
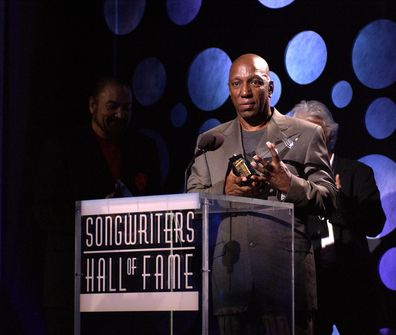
{"points": [[111, 151], [76, 166]]}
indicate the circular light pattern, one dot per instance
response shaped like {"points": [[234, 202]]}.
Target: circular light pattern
{"points": [[208, 124], [381, 118], [385, 177], [335, 331], [387, 268], [149, 81], [374, 54], [208, 79], [387, 331], [123, 16], [178, 115], [275, 3], [162, 148], [277, 88], [306, 57], [341, 94], [182, 12]]}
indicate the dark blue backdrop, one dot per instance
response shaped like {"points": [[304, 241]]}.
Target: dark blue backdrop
{"points": [[176, 55]]}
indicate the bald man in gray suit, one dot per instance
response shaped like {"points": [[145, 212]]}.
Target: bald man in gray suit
{"points": [[291, 164]]}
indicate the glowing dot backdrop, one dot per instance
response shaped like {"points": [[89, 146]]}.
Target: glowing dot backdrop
{"points": [[176, 55]]}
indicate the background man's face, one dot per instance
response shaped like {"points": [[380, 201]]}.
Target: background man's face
{"points": [[111, 110]]}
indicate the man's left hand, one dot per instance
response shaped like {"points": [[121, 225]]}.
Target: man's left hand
{"points": [[274, 171]]}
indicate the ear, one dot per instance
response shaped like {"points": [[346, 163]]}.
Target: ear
{"points": [[92, 104], [270, 88]]}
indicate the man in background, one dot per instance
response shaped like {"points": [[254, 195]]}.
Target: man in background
{"points": [[103, 159], [345, 273]]}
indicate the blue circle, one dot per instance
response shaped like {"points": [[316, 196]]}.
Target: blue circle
{"points": [[277, 88], [275, 3], [387, 331], [341, 94], [208, 124], [123, 16], [208, 79], [178, 115], [149, 81], [182, 12], [380, 118], [306, 57], [387, 268], [335, 330], [385, 177], [374, 54]]}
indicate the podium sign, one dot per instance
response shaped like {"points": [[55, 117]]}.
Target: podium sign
{"points": [[136, 254], [149, 255]]}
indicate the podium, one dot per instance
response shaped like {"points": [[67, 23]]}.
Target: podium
{"points": [[167, 264]]}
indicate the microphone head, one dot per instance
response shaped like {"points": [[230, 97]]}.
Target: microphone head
{"points": [[210, 141]]}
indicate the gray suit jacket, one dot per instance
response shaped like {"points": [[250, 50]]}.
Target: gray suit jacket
{"points": [[250, 251]]}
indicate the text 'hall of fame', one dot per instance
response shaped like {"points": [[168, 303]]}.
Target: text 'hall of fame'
{"points": [[138, 252]]}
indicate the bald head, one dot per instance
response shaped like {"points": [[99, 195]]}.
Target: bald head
{"points": [[251, 60]]}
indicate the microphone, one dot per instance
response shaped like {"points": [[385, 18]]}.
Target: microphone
{"points": [[208, 142]]}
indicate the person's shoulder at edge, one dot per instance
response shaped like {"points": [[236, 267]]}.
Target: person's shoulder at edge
{"points": [[352, 163], [221, 128], [69, 134], [300, 122]]}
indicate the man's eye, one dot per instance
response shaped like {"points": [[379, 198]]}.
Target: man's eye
{"points": [[256, 82], [235, 84], [112, 106]]}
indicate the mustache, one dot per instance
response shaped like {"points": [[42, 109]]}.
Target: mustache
{"points": [[113, 119]]}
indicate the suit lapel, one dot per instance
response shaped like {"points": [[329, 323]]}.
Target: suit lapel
{"points": [[220, 157], [278, 129], [277, 133], [232, 139]]}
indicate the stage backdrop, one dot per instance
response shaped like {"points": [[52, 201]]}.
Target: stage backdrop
{"points": [[176, 55]]}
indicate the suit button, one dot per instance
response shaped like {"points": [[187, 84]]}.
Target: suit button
{"points": [[252, 244]]}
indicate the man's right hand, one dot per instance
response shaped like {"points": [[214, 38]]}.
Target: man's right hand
{"points": [[241, 186]]}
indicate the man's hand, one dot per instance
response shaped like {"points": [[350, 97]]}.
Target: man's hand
{"points": [[241, 186], [275, 172], [338, 181]]}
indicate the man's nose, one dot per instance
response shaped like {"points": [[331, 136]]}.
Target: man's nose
{"points": [[121, 113], [246, 90]]}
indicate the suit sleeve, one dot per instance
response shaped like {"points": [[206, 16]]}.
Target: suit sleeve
{"points": [[363, 207], [314, 192]]}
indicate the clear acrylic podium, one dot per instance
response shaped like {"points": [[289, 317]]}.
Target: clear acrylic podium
{"points": [[150, 265]]}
